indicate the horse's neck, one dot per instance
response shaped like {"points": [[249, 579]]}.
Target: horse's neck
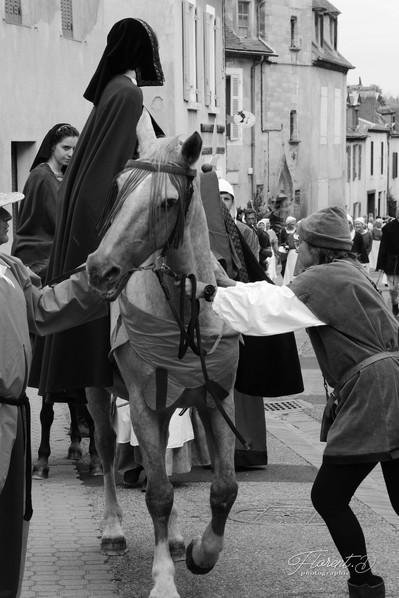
{"points": [[192, 257]]}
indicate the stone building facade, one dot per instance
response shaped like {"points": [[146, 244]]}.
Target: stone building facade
{"points": [[297, 91]]}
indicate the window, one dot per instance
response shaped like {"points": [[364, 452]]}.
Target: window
{"points": [[192, 50], [372, 158], [337, 115], [13, 11], [213, 65], [382, 157], [348, 163], [243, 19], [262, 20], [333, 32], [360, 162], [233, 102], [323, 115], [293, 125], [395, 165], [319, 28], [294, 43], [66, 18], [354, 163]]}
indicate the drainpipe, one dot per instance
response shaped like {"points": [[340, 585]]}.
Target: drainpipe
{"points": [[255, 63]]}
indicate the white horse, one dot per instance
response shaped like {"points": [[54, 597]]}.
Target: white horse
{"points": [[159, 208]]}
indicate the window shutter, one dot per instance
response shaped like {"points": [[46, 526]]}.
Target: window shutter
{"points": [[219, 66], [208, 32], [13, 11], [360, 162], [186, 50], [323, 116], [235, 106], [200, 55], [66, 18]]}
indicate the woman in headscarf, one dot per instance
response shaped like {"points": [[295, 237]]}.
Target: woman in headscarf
{"points": [[79, 358], [36, 218]]}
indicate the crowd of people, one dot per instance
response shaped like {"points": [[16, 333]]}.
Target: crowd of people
{"points": [[324, 256]]}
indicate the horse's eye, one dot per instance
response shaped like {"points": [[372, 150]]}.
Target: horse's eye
{"points": [[168, 203]]}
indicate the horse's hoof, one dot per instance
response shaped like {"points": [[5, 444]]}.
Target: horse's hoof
{"points": [[74, 454], [95, 468], [40, 471], [177, 550], [191, 566], [113, 546]]}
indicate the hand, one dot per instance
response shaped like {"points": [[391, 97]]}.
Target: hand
{"points": [[200, 289]]}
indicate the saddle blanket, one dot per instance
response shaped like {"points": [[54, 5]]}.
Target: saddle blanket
{"points": [[156, 340]]}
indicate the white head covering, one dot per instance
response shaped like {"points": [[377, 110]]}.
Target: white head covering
{"points": [[7, 198], [225, 187]]}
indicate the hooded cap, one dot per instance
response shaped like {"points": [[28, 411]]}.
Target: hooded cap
{"points": [[45, 150], [225, 187], [290, 220], [327, 228], [131, 44]]}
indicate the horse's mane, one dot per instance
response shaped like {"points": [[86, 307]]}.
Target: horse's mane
{"points": [[164, 151]]}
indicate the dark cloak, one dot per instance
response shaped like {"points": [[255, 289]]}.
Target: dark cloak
{"points": [[268, 366], [78, 358], [131, 44], [35, 225], [36, 216]]}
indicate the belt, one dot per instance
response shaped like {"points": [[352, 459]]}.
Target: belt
{"points": [[23, 402], [360, 366]]}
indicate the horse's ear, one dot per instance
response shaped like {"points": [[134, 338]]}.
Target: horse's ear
{"points": [[145, 131], [191, 148]]}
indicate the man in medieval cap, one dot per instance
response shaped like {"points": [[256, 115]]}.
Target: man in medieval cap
{"points": [[25, 310], [361, 420]]}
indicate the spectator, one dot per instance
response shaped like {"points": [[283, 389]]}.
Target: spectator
{"points": [[357, 243], [284, 245], [376, 233], [388, 259], [362, 228]]}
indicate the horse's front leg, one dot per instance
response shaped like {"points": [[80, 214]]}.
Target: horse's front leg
{"points": [[151, 431], [113, 540], [203, 552]]}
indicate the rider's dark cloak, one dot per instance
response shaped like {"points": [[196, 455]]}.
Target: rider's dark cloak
{"points": [[78, 358]]}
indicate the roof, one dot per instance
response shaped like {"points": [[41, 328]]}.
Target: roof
{"points": [[325, 6], [352, 135], [245, 45], [328, 58]]}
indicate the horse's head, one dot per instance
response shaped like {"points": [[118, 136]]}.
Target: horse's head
{"points": [[149, 212]]}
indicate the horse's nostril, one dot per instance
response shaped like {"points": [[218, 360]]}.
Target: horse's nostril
{"points": [[113, 273]]}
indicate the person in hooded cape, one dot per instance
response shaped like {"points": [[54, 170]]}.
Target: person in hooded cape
{"points": [[79, 358], [275, 354], [36, 216]]}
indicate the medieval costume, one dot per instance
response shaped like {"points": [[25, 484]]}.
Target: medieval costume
{"points": [[35, 228], [79, 358], [256, 352], [358, 357], [24, 310]]}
